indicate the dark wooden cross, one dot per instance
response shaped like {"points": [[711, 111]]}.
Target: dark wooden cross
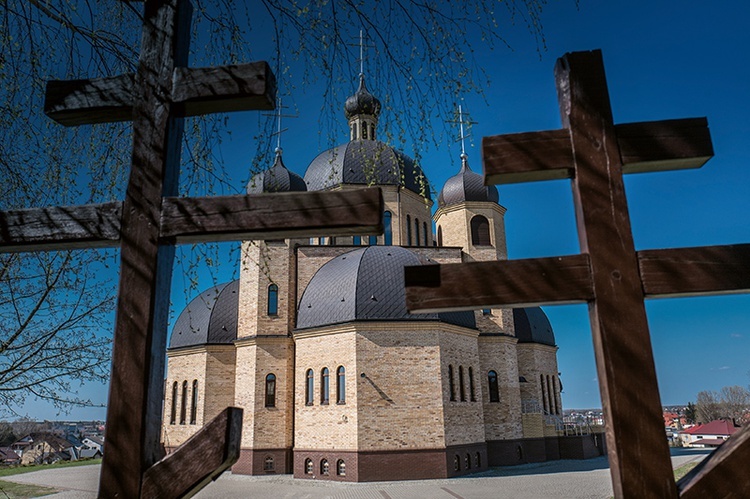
{"points": [[610, 275], [148, 224]]}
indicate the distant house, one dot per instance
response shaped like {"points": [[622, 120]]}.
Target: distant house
{"points": [[43, 448], [92, 447], [9, 457], [711, 434]]}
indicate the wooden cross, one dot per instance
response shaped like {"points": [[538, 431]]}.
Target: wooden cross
{"points": [[148, 224], [609, 275]]}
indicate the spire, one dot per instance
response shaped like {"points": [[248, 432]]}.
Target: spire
{"points": [[463, 120], [362, 109]]}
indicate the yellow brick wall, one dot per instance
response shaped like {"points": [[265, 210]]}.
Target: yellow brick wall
{"points": [[535, 360], [501, 419]]}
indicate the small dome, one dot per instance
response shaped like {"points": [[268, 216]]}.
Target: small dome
{"points": [[366, 284], [365, 162], [466, 186], [276, 179], [209, 319], [532, 326], [362, 102]]}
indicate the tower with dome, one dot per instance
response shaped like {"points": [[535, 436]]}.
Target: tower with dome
{"points": [[337, 380]]}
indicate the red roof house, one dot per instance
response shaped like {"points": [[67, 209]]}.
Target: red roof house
{"points": [[710, 434]]}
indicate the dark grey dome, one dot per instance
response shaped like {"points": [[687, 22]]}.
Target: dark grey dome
{"points": [[365, 162], [466, 186], [366, 284], [532, 326], [276, 179], [209, 319], [362, 102]]}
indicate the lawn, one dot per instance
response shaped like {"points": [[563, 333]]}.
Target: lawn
{"points": [[12, 490]]}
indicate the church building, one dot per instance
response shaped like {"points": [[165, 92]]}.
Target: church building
{"points": [[337, 380]]}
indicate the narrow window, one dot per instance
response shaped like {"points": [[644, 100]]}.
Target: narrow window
{"points": [[416, 232], [372, 131], [373, 240], [550, 395], [354, 131], [308, 466], [544, 392], [268, 464], [456, 463], [450, 382], [477, 460], [408, 230], [467, 461], [341, 385], [357, 241], [364, 130], [440, 236], [340, 467], [461, 383], [324, 467], [309, 392], [494, 391], [324, 386], [173, 412], [194, 405], [472, 396], [331, 241], [387, 234], [480, 231], [271, 390], [424, 231], [555, 393], [273, 299], [321, 241], [183, 402]]}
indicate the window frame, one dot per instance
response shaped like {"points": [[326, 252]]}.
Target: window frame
{"points": [[194, 404], [325, 386], [183, 401], [494, 386], [341, 385], [309, 387], [480, 236], [270, 390]]}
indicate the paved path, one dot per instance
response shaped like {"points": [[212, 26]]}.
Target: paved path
{"points": [[554, 479]]}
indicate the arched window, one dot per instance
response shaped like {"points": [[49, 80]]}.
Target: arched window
{"points": [[268, 464], [357, 241], [324, 386], [494, 391], [364, 130], [544, 392], [324, 466], [480, 231], [373, 240], [341, 385], [340, 467], [354, 131], [173, 413], [477, 460], [467, 461], [271, 390], [183, 402], [416, 232], [555, 393], [273, 299], [440, 236], [461, 383], [310, 389], [387, 234], [308, 466], [450, 382], [408, 230], [550, 395], [372, 131], [456, 463], [424, 231], [472, 396], [194, 405]]}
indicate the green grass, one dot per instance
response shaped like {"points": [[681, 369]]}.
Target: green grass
{"points": [[22, 490], [683, 470], [17, 470]]}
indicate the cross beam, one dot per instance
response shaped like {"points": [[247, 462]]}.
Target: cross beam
{"points": [[147, 225], [610, 275]]}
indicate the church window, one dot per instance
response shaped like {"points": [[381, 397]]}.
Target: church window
{"points": [[544, 392], [372, 131], [271, 390], [456, 463], [357, 241], [309, 392], [183, 402], [550, 395], [440, 236], [408, 230], [324, 467], [477, 460], [340, 467], [387, 233], [450, 382], [472, 396], [268, 464], [480, 231], [331, 241], [554, 395], [461, 383], [308, 466], [173, 412], [467, 461], [273, 299], [364, 130], [324, 386], [494, 390], [321, 241], [341, 385], [373, 240], [424, 231], [354, 131], [416, 232], [194, 405]]}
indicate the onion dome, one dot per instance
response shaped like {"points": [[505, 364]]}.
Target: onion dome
{"points": [[466, 186], [362, 102], [532, 326], [365, 162], [276, 179], [209, 319], [366, 284]]}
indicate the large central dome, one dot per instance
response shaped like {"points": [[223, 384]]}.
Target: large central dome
{"points": [[365, 162]]}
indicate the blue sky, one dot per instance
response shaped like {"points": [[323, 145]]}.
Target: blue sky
{"points": [[664, 60]]}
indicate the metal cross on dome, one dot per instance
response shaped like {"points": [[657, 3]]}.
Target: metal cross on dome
{"points": [[147, 225], [609, 274]]}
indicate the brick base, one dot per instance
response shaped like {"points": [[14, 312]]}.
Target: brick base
{"points": [[535, 450], [253, 462]]}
